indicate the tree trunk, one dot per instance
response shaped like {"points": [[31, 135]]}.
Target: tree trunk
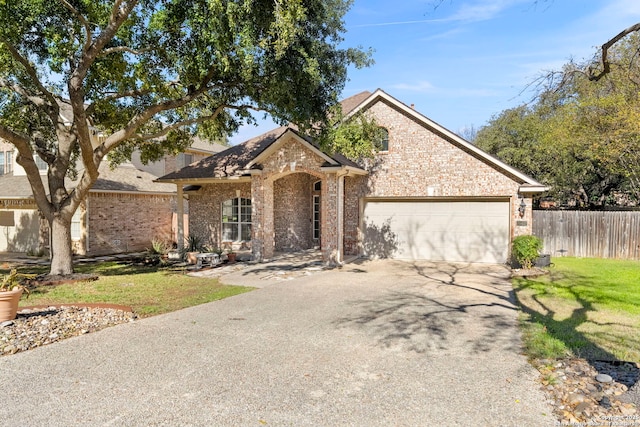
{"points": [[61, 253]]}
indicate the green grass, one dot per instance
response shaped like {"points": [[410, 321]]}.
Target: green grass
{"points": [[148, 290], [585, 308]]}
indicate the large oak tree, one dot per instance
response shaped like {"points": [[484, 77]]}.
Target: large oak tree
{"points": [[148, 75]]}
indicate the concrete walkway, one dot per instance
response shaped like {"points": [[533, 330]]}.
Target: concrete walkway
{"points": [[374, 344]]}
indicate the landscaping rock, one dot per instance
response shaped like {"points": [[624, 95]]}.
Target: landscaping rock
{"points": [[580, 398], [603, 378], [37, 327]]}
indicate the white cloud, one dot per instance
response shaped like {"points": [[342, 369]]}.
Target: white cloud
{"points": [[421, 86], [458, 92], [482, 10]]}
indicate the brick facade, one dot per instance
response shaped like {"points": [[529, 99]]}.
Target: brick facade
{"points": [[292, 212], [206, 210], [126, 222], [422, 162]]}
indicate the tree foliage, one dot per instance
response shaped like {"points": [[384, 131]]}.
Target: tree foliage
{"points": [[149, 74], [582, 134]]}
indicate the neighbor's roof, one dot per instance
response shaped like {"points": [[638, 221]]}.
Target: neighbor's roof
{"points": [[124, 178], [127, 178], [236, 160]]}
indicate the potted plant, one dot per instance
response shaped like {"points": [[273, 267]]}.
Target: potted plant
{"points": [[11, 290], [193, 246], [231, 256]]}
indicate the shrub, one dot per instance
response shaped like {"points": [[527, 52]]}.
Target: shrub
{"points": [[158, 247], [526, 249]]}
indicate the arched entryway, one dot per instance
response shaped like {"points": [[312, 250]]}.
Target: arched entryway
{"points": [[296, 210]]}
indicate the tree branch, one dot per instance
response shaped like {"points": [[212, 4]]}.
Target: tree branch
{"points": [[119, 14], [35, 100], [127, 49], [25, 159], [87, 26], [31, 72], [606, 65]]}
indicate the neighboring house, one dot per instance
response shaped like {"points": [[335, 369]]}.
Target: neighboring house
{"points": [[170, 163], [123, 212], [429, 194]]}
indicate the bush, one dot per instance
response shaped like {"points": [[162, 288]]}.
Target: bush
{"points": [[526, 249]]}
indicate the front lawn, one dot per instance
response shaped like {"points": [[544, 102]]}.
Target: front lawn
{"points": [[585, 307], [148, 290]]}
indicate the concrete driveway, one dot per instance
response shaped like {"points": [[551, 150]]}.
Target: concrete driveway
{"points": [[379, 343]]}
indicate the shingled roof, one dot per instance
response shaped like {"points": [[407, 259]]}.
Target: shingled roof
{"points": [[235, 161], [124, 178]]}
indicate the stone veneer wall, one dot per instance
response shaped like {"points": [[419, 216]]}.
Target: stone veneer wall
{"points": [[421, 163], [127, 222], [205, 209], [277, 166], [292, 212]]}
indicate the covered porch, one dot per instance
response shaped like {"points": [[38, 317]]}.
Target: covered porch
{"points": [[288, 197]]}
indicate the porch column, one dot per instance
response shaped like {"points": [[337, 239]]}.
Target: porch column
{"points": [[331, 221], [262, 239], [180, 209]]}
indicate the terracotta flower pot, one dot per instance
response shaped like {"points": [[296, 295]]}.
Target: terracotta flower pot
{"points": [[231, 257], [9, 304], [191, 257]]}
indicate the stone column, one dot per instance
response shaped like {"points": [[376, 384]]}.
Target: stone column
{"points": [[180, 209], [262, 239], [330, 219]]}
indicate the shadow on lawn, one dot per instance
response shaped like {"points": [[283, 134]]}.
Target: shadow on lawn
{"points": [[567, 330], [439, 307]]}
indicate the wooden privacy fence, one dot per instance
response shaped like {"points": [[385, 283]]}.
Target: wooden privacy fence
{"points": [[589, 234]]}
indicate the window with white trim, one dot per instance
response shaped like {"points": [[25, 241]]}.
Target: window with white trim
{"points": [[41, 164], [8, 162], [76, 226], [2, 172], [236, 220]]}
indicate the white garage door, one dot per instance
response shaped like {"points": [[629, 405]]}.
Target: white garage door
{"points": [[465, 231]]}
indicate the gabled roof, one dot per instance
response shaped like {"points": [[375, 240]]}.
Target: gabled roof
{"points": [[237, 160], [529, 184], [228, 163]]}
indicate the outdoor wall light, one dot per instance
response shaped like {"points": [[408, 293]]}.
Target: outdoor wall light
{"points": [[522, 208], [292, 166]]}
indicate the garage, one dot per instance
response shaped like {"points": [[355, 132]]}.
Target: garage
{"points": [[470, 230]]}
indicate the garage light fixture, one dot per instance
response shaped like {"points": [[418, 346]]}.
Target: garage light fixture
{"points": [[522, 208]]}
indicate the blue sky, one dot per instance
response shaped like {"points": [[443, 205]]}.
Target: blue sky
{"points": [[466, 60]]}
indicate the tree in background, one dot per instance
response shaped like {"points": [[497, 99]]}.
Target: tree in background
{"points": [[149, 75], [581, 136]]}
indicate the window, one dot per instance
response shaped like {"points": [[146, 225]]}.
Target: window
{"points": [[76, 225], [236, 220], [384, 139], [184, 160], [7, 219], [2, 171], [316, 217], [42, 165], [9, 162]]}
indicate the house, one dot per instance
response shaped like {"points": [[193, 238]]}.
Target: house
{"points": [[429, 194], [123, 212]]}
